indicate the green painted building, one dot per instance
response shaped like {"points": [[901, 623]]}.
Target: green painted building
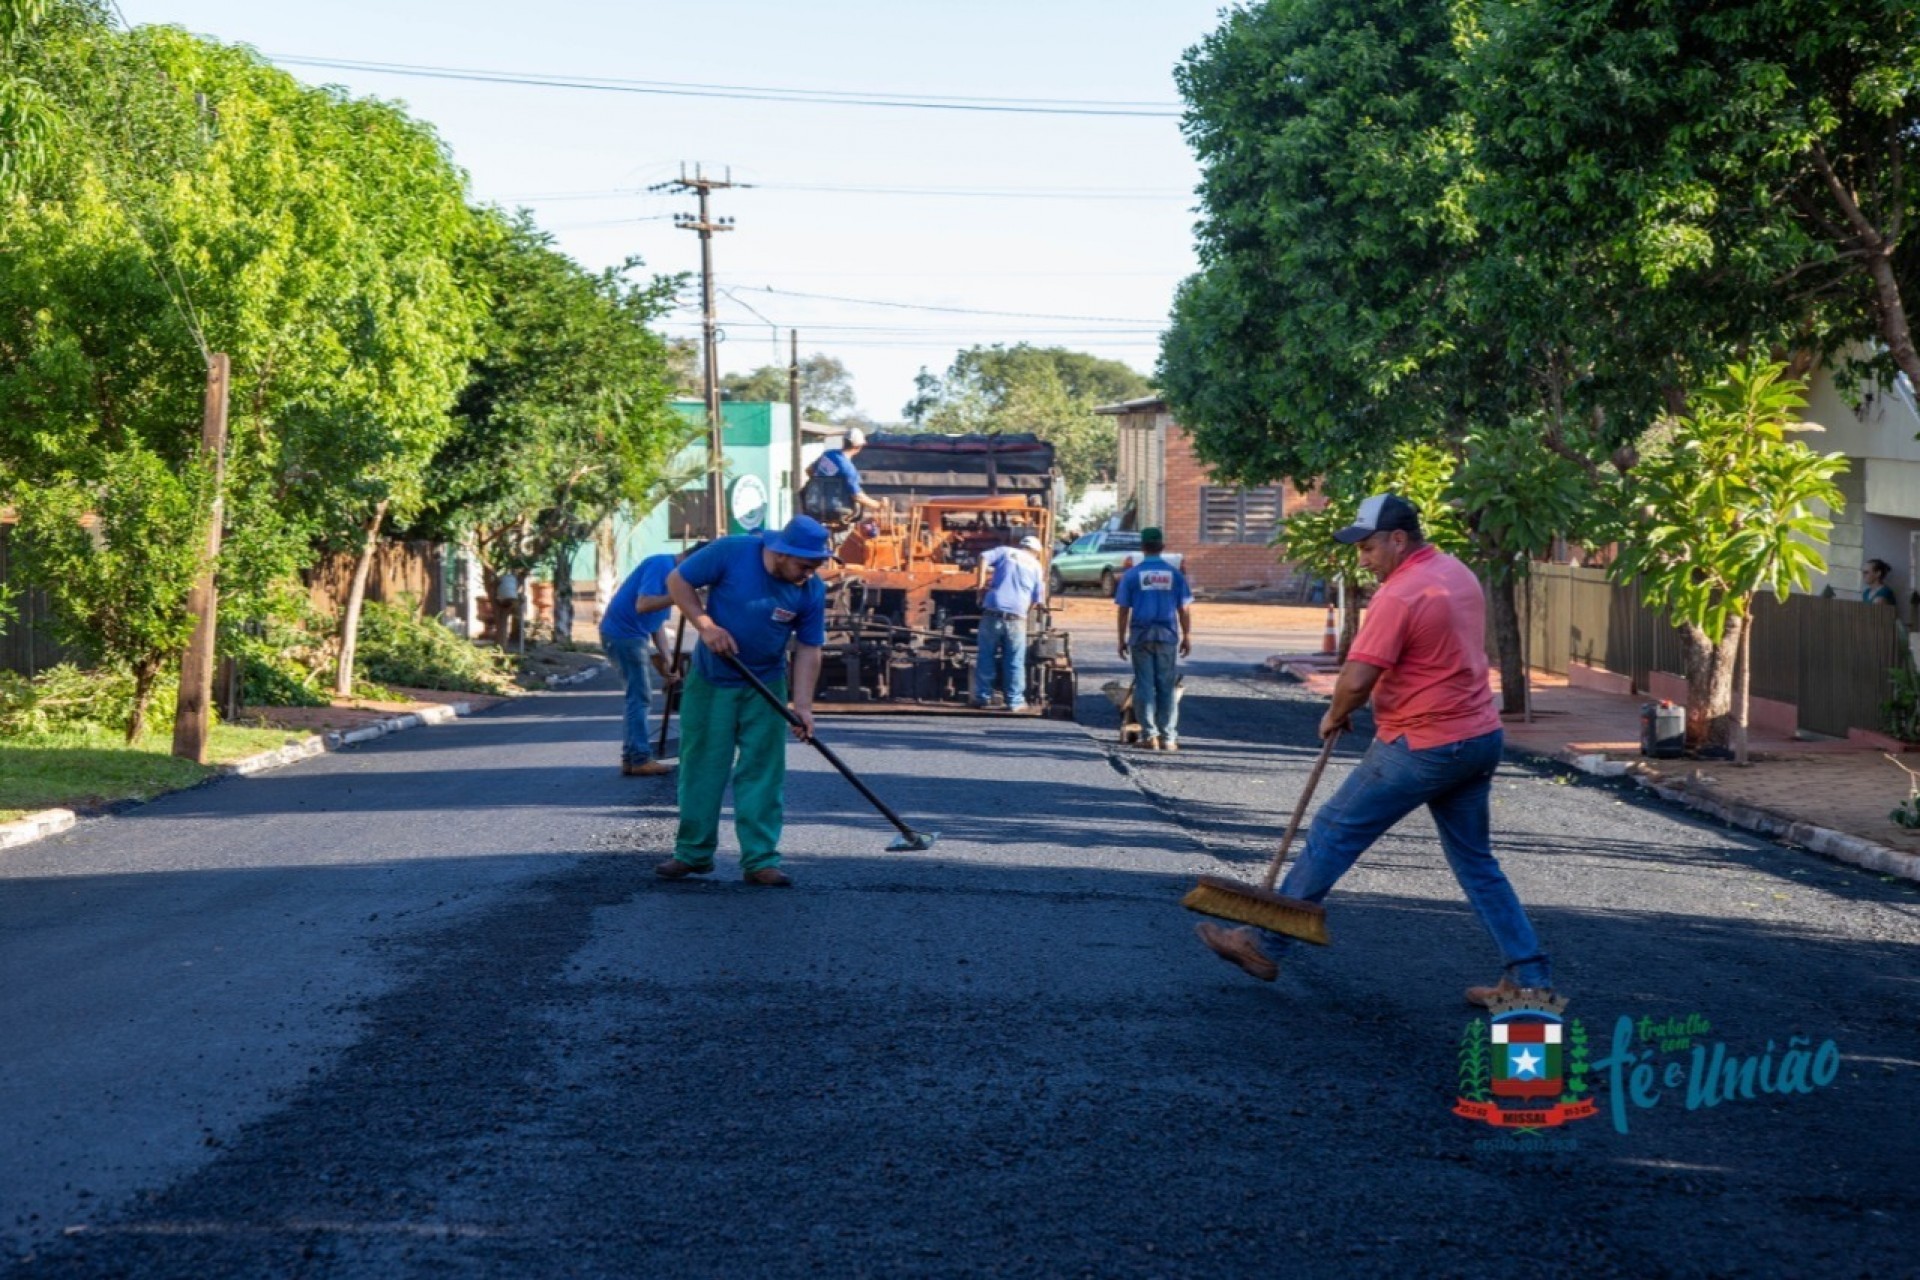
{"points": [[758, 447]]}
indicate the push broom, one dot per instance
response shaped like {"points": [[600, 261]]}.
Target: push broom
{"points": [[909, 840], [1232, 900]]}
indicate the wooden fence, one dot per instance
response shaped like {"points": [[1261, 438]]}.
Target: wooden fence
{"points": [[1828, 658], [27, 644], [409, 570]]}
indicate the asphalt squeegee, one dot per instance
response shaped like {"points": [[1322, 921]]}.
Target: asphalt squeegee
{"points": [[909, 840]]}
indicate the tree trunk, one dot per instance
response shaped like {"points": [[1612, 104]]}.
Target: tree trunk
{"points": [[1744, 683], [1349, 619], [606, 577], [472, 584], [144, 674], [356, 594], [1504, 588], [563, 592], [1892, 313], [1710, 685]]}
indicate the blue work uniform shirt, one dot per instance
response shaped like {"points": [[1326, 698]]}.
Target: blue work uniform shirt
{"points": [[649, 578], [759, 610], [1156, 592], [835, 463], [1014, 581]]}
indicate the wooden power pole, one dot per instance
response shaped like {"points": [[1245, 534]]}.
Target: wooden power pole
{"points": [[192, 717], [706, 225]]}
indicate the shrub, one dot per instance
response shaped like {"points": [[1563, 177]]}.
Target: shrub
{"points": [[397, 646], [65, 698]]}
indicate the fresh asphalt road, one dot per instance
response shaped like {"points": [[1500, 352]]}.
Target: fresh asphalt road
{"points": [[421, 1007]]}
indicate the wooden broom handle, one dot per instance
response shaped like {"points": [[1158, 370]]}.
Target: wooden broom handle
{"points": [[1299, 812]]}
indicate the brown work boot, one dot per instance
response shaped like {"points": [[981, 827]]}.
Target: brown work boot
{"points": [[1506, 989], [769, 877], [674, 869], [646, 769], [1238, 947], [1485, 996], [1150, 744], [1168, 744]]}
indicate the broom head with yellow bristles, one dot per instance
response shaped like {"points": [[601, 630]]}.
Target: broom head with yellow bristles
{"points": [[1247, 904]]}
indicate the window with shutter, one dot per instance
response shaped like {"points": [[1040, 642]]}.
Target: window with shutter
{"points": [[1240, 515]]}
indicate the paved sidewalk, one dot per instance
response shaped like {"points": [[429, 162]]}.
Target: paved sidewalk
{"points": [[1831, 796]]}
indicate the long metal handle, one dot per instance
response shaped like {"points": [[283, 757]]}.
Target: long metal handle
{"points": [[673, 686], [774, 700], [1299, 812]]}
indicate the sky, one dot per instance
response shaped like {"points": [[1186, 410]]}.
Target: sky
{"points": [[878, 232]]}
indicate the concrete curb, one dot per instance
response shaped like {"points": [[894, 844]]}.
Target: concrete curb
{"points": [[38, 826], [35, 826], [1837, 845]]}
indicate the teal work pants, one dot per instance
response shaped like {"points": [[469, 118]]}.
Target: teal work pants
{"points": [[731, 733]]}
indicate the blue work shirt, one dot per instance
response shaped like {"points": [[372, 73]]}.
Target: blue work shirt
{"points": [[835, 463], [759, 610], [1014, 582], [621, 621], [1156, 592]]}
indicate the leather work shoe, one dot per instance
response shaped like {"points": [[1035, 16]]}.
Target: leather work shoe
{"points": [[1150, 744], [1168, 744], [1505, 989], [674, 869], [1238, 947], [646, 769], [769, 877]]}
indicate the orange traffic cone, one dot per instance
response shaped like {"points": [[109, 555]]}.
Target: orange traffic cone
{"points": [[1330, 638]]}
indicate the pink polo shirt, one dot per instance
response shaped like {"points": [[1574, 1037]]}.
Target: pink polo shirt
{"points": [[1427, 631]]}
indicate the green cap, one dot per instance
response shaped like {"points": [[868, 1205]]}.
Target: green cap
{"points": [[1152, 534]]}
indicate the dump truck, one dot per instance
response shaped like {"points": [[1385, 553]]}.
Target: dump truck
{"points": [[903, 609]]}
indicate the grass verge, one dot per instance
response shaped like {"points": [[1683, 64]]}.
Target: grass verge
{"points": [[76, 769]]}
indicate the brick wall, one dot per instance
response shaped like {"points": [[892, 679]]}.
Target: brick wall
{"points": [[1218, 566]]}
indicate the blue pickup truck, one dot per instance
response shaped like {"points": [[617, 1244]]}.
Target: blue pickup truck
{"points": [[1098, 559]]}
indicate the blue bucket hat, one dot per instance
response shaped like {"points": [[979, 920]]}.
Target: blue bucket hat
{"points": [[804, 538]]}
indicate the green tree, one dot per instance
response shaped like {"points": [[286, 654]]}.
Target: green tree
{"points": [[1049, 391], [116, 552], [1754, 155], [826, 388], [564, 415], [1721, 509], [202, 200]]}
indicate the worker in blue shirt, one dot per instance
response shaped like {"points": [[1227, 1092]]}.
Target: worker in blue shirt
{"points": [[1154, 619], [839, 462], [761, 593], [1011, 582], [633, 633]]}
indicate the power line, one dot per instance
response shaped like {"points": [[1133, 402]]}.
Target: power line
{"points": [[748, 93], [942, 193], [965, 311]]}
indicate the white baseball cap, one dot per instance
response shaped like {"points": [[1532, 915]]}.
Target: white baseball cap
{"points": [[856, 437], [1031, 543]]}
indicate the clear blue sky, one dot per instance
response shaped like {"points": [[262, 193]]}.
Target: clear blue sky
{"points": [[1105, 240]]}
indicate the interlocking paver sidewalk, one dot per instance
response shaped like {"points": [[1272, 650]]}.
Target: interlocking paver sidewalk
{"points": [[1829, 795]]}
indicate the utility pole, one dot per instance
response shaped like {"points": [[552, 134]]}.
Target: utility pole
{"points": [[793, 407], [192, 721], [705, 224]]}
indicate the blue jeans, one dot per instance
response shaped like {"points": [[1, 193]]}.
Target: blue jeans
{"points": [[1002, 657], [1453, 781], [631, 657], [1154, 705]]}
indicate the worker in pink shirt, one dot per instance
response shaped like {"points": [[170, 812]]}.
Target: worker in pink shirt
{"points": [[1421, 659]]}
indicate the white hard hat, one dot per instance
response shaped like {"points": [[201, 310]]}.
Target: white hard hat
{"points": [[856, 437]]}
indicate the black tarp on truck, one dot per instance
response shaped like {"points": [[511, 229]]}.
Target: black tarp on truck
{"points": [[907, 467]]}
